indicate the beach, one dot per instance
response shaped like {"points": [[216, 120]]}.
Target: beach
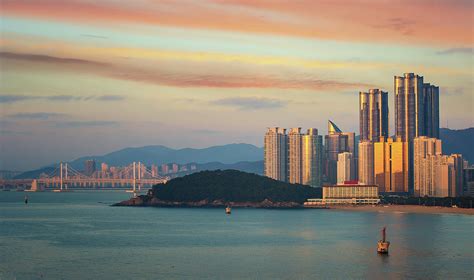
{"points": [[404, 209]]}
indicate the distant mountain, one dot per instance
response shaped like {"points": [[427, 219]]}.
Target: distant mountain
{"points": [[231, 156], [148, 155], [458, 142]]}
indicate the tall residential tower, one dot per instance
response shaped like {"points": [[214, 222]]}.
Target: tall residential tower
{"points": [[276, 153], [373, 115]]}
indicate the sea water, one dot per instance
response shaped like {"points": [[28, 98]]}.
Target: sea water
{"points": [[78, 235]]}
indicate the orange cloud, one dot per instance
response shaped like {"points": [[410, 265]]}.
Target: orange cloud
{"points": [[162, 75], [404, 21]]}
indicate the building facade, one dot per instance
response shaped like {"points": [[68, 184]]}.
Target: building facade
{"points": [[425, 151], [391, 165], [345, 167], [366, 162], [373, 115], [295, 156], [346, 194], [312, 148], [276, 153], [336, 142], [431, 110], [89, 167]]}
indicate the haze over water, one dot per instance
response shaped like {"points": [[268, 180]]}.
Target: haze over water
{"points": [[79, 236]]}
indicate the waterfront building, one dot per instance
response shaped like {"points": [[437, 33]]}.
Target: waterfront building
{"points": [[424, 151], [336, 142], [416, 113], [276, 153], [469, 181], [89, 167], [373, 115], [295, 156], [391, 165], [366, 162], [312, 150], [346, 194], [104, 167], [345, 167]]}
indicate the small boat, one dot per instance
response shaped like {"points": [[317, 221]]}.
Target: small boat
{"points": [[227, 210], [382, 245]]}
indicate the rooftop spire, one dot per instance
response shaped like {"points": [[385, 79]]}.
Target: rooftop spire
{"points": [[332, 128]]}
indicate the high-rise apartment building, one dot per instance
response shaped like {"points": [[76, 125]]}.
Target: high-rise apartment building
{"points": [[312, 150], [295, 156], [276, 153], [336, 142], [425, 151], [366, 162], [164, 169], [345, 167], [416, 113], [89, 167], [391, 165], [174, 168], [373, 115]]}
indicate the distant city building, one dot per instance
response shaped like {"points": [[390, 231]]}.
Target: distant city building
{"points": [[295, 157], [276, 153], [164, 169], [346, 194], [193, 167], [336, 142], [373, 115], [431, 110], [312, 151], [174, 168], [391, 165], [366, 162], [154, 170], [89, 167], [345, 167], [104, 167]]}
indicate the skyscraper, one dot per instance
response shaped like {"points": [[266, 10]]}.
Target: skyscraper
{"points": [[373, 115], [276, 153], [89, 167], [345, 167], [366, 162], [391, 165], [336, 142], [431, 110], [416, 113], [295, 159], [312, 158]]}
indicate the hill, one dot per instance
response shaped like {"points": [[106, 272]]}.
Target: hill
{"points": [[458, 142], [225, 187]]}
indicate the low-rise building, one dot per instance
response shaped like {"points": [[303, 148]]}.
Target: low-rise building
{"points": [[348, 193]]}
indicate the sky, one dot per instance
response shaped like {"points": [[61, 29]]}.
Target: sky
{"points": [[86, 77]]}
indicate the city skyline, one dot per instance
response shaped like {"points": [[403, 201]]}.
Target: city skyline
{"points": [[81, 78]]}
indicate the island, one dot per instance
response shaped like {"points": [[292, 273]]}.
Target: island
{"points": [[221, 188]]}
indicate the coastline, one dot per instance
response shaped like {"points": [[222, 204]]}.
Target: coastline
{"points": [[404, 209]]}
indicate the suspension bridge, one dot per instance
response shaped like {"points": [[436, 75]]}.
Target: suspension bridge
{"points": [[136, 177]]}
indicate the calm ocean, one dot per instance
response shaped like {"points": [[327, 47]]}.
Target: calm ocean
{"points": [[79, 236]]}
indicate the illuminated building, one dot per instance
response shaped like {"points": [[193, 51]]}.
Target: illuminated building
{"points": [[346, 194], [336, 142], [164, 169], [391, 165], [276, 153]]}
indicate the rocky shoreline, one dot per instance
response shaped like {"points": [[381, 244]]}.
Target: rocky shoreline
{"points": [[145, 201]]}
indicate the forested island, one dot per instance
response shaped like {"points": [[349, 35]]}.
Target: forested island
{"points": [[222, 188]]}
